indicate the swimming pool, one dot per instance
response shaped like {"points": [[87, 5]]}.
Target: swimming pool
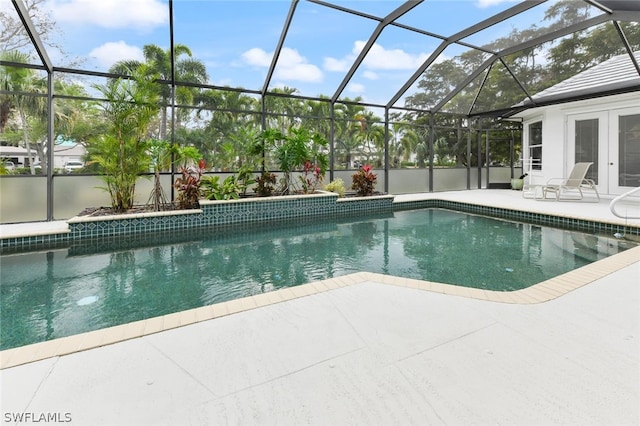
{"points": [[56, 293]]}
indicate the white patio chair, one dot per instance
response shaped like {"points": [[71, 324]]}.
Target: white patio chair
{"points": [[570, 189]]}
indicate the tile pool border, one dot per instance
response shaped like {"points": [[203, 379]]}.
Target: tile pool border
{"points": [[570, 223], [211, 214], [538, 293], [238, 212]]}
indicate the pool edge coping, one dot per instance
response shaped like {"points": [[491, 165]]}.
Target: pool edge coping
{"points": [[538, 293]]}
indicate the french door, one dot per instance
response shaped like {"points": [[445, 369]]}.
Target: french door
{"points": [[587, 142], [611, 140], [624, 158]]}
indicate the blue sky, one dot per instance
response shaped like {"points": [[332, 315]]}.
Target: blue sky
{"points": [[236, 39]]}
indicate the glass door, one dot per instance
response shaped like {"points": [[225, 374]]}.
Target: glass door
{"points": [[587, 135], [624, 164]]}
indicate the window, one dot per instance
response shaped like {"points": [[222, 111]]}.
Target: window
{"points": [[535, 145]]}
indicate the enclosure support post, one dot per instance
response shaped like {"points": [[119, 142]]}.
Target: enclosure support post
{"points": [[479, 167], [173, 101], [469, 154], [487, 154], [386, 150], [511, 153], [51, 147], [332, 136], [431, 140]]}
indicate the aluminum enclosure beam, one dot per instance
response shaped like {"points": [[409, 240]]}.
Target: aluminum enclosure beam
{"points": [[276, 53], [30, 28]]}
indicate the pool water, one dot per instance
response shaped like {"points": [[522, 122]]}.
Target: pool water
{"points": [[57, 293]]}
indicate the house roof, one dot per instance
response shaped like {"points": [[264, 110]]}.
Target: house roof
{"points": [[611, 76], [76, 150], [8, 151]]}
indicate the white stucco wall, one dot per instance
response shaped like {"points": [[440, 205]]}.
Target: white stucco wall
{"points": [[555, 143]]}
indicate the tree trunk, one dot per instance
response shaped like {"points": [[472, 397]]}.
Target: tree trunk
{"points": [[25, 132]]}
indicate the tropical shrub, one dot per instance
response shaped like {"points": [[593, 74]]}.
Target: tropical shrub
{"points": [[122, 151], [188, 185], [310, 178], [337, 186], [163, 155], [294, 150], [245, 178], [265, 184], [212, 189], [364, 181]]}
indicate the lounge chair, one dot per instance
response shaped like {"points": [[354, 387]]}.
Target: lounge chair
{"points": [[570, 189]]}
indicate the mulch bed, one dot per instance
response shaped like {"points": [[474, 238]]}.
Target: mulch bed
{"points": [[108, 211]]}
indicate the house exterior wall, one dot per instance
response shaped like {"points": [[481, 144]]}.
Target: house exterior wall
{"points": [[556, 146], [62, 154]]}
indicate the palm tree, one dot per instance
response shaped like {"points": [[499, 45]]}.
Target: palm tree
{"points": [[403, 140], [188, 70], [24, 82], [370, 134], [318, 114], [228, 125], [285, 110], [122, 151], [347, 127]]}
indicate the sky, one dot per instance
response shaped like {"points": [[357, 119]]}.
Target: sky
{"points": [[236, 39]]}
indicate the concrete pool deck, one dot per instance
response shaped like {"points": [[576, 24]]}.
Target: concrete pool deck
{"points": [[363, 349]]}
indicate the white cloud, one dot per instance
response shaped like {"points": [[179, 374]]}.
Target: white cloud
{"points": [[291, 65], [355, 88], [391, 59], [370, 75], [300, 72], [138, 14], [257, 57], [339, 65], [378, 58], [112, 52], [489, 3]]}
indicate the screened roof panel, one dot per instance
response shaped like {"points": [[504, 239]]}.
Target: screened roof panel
{"points": [[235, 40], [96, 35], [14, 38], [378, 8], [616, 72], [531, 24], [500, 90], [463, 102], [393, 58], [321, 46], [556, 62], [449, 70], [445, 17], [631, 31]]}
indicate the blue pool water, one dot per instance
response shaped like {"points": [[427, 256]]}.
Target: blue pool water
{"points": [[56, 293]]}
